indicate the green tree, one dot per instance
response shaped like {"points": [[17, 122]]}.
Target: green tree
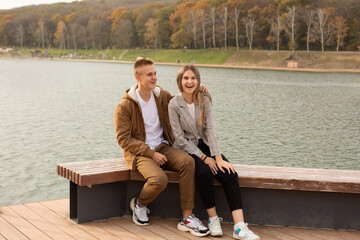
{"points": [[164, 29]]}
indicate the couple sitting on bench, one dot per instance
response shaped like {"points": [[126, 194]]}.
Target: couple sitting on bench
{"points": [[160, 132]]}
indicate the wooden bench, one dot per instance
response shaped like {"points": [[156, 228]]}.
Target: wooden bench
{"points": [[271, 195]]}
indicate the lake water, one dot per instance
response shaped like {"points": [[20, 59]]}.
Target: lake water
{"points": [[56, 111]]}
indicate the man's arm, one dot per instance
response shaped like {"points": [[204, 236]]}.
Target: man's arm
{"points": [[123, 129]]}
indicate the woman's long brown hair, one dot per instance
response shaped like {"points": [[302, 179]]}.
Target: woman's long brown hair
{"points": [[198, 97]]}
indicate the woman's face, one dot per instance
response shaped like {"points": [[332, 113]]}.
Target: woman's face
{"points": [[189, 82]]}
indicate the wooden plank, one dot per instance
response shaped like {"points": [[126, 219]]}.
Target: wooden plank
{"points": [[323, 234], [171, 225], [91, 228], [139, 231], [327, 175], [257, 229], [2, 237], [272, 231], [164, 232], [333, 234], [22, 225], [65, 225], [103, 178], [50, 229], [55, 206], [302, 233], [118, 231], [98, 232], [9, 231]]}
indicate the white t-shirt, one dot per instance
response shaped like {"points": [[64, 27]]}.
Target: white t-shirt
{"points": [[153, 128], [191, 108]]}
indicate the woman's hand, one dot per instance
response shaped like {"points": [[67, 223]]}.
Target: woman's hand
{"points": [[212, 164], [224, 165]]}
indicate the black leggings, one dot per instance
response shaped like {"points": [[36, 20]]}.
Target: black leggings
{"points": [[204, 179]]}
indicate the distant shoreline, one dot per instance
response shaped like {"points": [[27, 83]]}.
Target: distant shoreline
{"points": [[320, 70], [225, 66]]}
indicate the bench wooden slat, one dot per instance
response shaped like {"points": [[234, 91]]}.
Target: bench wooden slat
{"points": [[96, 178], [270, 177]]}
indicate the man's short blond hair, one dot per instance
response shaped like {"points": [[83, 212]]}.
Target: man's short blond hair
{"points": [[140, 63]]}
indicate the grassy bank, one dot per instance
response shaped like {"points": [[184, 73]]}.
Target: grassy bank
{"points": [[311, 60], [172, 56], [243, 58]]}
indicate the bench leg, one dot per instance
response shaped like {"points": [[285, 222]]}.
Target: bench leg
{"points": [[98, 202]]}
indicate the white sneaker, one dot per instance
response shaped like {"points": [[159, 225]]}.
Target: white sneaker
{"points": [[215, 227], [193, 225], [245, 233], [139, 213]]}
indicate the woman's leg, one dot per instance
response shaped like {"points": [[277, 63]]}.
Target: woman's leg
{"points": [[204, 180], [230, 183]]}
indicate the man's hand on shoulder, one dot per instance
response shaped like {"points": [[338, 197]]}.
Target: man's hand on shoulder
{"points": [[203, 88], [159, 158]]}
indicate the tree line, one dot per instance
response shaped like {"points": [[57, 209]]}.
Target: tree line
{"points": [[203, 24]]}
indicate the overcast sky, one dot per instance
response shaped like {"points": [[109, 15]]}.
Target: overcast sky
{"points": [[8, 4]]}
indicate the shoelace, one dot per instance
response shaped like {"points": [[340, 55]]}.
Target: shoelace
{"points": [[213, 221], [198, 221], [143, 211], [247, 229]]}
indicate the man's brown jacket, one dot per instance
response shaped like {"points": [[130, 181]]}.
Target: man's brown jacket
{"points": [[130, 127]]}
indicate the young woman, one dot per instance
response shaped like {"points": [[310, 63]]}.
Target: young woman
{"points": [[193, 127]]}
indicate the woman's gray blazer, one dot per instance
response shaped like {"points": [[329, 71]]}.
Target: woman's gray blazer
{"points": [[187, 132]]}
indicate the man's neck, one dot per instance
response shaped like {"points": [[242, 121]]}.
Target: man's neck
{"points": [[145, 93]]}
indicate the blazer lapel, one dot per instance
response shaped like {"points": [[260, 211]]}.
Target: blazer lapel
{"points": [[185, 113]]}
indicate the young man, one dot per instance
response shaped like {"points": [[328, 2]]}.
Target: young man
{"points": [[144, 133]]}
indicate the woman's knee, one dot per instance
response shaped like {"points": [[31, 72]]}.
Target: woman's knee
{"points": [[226, 177]]}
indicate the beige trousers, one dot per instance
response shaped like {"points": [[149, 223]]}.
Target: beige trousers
{"points": [[156, 179]]}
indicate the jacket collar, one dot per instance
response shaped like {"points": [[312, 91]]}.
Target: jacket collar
{"points": [[132, 92]]}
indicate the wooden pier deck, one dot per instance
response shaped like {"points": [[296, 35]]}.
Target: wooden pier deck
{"points": [[50, 220]]}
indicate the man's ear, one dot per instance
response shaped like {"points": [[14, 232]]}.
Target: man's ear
{"points": [[137, 77]]}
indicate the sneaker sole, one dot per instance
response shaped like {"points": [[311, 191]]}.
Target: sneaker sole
{"points": [[132, 203], [185, 229], [216, 234], [241, 238]]}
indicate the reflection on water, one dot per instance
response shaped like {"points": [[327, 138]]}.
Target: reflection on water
{"points": [[54, 112]]}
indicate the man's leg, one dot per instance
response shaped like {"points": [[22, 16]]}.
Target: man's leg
{"points": [[156, 182]]}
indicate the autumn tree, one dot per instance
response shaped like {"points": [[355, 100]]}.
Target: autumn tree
{"points": [[225, 20], [237, 9], [180, 25], [323, 29], [60, 35], [4, 20], [340, 30], [20, 34], [213, 17], [164, 28], [202, 13], [249, 22], [122, 29], [142, 15], [308, 17], [152, 29], [41, 32], [271, 15], [290, 27]]}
